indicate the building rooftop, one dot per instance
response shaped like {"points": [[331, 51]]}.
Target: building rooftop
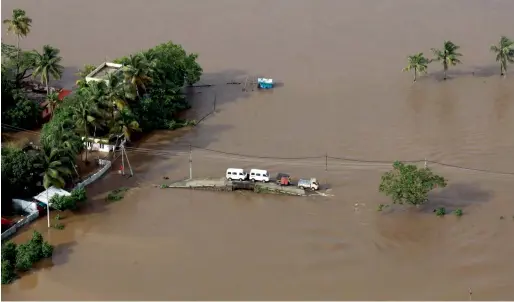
{"points": [[101, 72]]}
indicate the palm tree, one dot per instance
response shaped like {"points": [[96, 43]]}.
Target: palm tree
{"points": [[116, 92], [138, 72], [19, 25], [124, 123], [85, 114], [67, 141], [418, 63], [48, 64], [448, 55], [54, 165], [52, 101], [504, 53]]}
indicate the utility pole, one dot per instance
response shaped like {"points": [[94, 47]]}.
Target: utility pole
{"points": [[190, 162], [122, 147], [326, 161], [126, 156]]}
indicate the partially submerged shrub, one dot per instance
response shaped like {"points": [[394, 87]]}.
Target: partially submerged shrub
{"points": [[440, 212], [458, 212], [8, 273], [62, 203], [117, 194]]}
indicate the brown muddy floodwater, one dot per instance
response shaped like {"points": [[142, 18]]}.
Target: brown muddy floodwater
{"points": [[342, 93]]}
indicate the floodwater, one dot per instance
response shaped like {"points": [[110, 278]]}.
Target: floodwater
{"points": [[341, 94]]}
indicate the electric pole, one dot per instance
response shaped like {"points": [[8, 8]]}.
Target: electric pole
{"points": [[190, 162]]}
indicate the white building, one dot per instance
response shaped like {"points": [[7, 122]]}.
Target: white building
{"points": [[102, 71], [47, 195], [99, 144]]}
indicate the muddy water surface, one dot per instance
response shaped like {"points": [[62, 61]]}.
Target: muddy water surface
{"points": [[342, 93]]}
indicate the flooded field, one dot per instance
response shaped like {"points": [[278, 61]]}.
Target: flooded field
{"points": [[342, 93]]}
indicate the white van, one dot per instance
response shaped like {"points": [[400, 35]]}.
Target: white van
{"points": [[259, 175], [236, 174]]}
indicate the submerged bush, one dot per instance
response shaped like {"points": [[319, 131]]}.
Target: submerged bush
{"points": [[440, 212]]}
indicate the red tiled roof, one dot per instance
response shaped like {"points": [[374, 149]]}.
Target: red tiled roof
{"points": [[64, 93]]}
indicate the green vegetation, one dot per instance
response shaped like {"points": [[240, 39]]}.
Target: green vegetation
{"points": [[46, 64], [20, 175], [504, 53], [58, 226], [381, 207], [417, 63], [145, 94], [24, 256], [409, 184], [458, 212], [72, 202], [440, 212], [448, 56], [117, 194]]}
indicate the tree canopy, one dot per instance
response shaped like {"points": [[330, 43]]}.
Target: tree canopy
{"points": [[448, 55], [417, 63], [410, 184], [504, 51]]}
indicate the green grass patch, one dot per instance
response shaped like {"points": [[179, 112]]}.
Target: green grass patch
{"points": [[116, 195], [58, 226]]}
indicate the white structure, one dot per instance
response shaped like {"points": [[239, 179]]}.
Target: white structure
{"points": [[98, 144], [47, 195], [259, 175], [102, 71], [24, 206]]}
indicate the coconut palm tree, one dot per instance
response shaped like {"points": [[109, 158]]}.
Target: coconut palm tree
{"points": [[124, 123], [52, 102], [54, 165], [116, 92], [504, 53], [417, 63], [138, 72], [48, 63], [19, 25], [448, 55], [85, 114], [67, 141]]}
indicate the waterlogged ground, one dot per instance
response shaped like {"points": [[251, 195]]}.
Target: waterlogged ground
{"points": [[342, 93]]}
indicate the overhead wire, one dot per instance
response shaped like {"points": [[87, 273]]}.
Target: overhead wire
{"points": [[275, 159]]}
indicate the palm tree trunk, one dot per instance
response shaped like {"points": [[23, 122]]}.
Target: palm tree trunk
{"points": [[445, 74], [47, 87], [47, 208], [18, 55], [87, 141], [415, 75]]}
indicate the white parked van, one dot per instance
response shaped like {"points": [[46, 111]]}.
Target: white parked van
{"points": [[236, 174], [259, 175]]}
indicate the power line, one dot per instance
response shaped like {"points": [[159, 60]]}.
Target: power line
{"points": [[161, 152], [10, 127]]}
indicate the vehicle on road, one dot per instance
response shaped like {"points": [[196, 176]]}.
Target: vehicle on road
{"points": [[236, 174], [283, 179], [259, 175], [311, 184]]}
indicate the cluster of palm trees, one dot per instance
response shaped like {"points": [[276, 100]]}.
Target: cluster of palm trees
{"points": [[449, 56], [98, 106]]}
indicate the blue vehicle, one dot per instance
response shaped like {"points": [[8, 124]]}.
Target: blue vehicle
{"points": [[265, 83]]}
